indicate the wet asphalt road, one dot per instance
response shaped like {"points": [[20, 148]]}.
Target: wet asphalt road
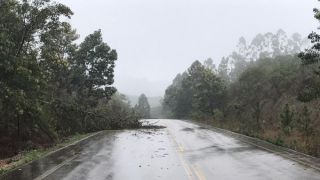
{"points": [[182, 150]]}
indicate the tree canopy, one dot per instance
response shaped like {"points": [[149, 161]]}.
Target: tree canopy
{"points": [[311, 57], [197, 92], [143, 107], [50, 85]]}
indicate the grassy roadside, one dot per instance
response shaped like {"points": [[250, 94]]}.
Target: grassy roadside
{"points": [[28, 156], [294, 141]]}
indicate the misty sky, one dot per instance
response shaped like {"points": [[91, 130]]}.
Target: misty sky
{"points": [[156, 39]]}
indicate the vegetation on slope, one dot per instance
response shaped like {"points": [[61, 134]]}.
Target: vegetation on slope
{"points": [[273, 97], [50, 86]]}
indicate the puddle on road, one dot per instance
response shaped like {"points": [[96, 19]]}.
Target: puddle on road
{"points": [[188, 129], [153, 127]]}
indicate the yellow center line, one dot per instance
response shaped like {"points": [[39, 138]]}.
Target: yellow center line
{"points": [[180, 150], [186, 167], [191, 171], [199, 172]]}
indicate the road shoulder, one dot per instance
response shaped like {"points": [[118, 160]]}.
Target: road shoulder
{"points": [[298, 157], [63, 150]]}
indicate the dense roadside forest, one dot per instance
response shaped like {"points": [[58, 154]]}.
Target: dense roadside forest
{"points": [[50, 86], [268, 88]]}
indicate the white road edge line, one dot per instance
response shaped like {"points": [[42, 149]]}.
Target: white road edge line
{"points": [[52, 170], [284, 156], [239, 137]]}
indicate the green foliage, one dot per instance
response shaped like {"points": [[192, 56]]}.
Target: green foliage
{"points": [[279, 141], [249, 91], [178, 98], [305, 122], [310, 91], [116, 114], [208, 64], [143, 107], [311, 58], [21, 76], [223, 70], [50, 86], [240, 65], [251, 97], [287, 116], [218, 115], [195, 93], [261, 84]]}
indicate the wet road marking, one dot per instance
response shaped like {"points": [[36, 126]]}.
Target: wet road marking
{"points": [[198, 172], [281, 155], [180, 150], [186, 167], [191, 171], [52, 170]]}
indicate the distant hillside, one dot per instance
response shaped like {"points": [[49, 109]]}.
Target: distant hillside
{"points": [[153, 101]]}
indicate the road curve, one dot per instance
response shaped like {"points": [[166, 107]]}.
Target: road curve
{"points": [[182, 150]]}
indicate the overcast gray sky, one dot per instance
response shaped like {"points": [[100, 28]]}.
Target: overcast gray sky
{"points": [[156, 39]]}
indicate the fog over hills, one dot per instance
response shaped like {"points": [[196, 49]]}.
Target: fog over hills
{"points": [[157, 39], [154, 101]]}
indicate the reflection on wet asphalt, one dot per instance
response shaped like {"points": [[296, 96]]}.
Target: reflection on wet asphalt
{"points": [[182, 150]]}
